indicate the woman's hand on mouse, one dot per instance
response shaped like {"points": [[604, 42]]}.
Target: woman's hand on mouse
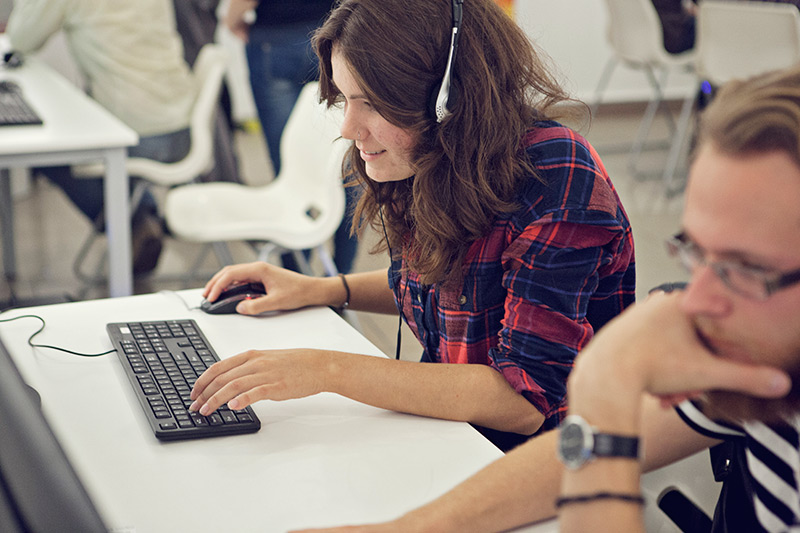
{"points": [[257, 375], [285, 289]]}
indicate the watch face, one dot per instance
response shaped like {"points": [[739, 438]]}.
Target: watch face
{"points": [[575, 442]]}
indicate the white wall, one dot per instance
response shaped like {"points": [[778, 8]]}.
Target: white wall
{"points": [[573, 33]]}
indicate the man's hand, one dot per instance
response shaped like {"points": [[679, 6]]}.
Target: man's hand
{"points": [[654, 348], [235, 17]]}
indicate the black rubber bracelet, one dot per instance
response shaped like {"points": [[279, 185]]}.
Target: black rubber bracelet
{"points": [[585, 498], [346, 303]]}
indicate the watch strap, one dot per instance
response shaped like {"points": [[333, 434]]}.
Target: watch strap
{"points": [[606, 445]]}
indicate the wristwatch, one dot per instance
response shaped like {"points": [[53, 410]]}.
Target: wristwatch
{"points": [[579, 443]]}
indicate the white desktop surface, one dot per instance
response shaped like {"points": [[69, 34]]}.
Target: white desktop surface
{"points": [[76, 130], [317, 461]]}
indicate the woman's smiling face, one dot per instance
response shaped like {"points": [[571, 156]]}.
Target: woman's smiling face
{"points": [[384, 147]]}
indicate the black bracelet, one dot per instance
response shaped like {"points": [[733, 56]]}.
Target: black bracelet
{"points": [[584, 498], [346, 303]]}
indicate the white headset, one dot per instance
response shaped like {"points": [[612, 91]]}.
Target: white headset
{"points": [[445, 95]]}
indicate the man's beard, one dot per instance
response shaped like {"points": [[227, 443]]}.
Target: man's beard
{"points": [[738, 407]]}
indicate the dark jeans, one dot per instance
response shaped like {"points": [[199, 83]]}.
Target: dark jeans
{"points": [[87, 193], [281, 62]]}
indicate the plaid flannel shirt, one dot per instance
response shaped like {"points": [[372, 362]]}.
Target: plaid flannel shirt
{"points": [[534, 289]]}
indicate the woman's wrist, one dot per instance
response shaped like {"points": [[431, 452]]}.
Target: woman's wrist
{"points": [[333, 292], [346, 286]]}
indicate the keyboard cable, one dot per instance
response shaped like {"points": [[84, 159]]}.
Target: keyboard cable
{"points": [[41, 328]]}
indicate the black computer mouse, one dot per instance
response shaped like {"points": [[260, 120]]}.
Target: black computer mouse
{"points": [[228, 299]]}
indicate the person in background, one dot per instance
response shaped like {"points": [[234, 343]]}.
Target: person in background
{"points": [[508, 244], [277, 37], [132, 59], [795, 2], [716, 364], [281, 61], [726, 351], [678, 20], [196, 22]]}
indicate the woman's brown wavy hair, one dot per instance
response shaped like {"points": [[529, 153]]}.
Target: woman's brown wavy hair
{"points": [[470, 168]]}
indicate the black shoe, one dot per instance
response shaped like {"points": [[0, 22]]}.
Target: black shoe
{"points": [[147, 234]]}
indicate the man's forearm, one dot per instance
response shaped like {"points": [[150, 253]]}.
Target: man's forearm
{"points": [[515, 490]]}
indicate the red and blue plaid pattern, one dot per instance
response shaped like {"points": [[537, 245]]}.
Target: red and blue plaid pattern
{"points": [[536, 287]]}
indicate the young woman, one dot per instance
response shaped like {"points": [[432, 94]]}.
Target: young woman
{"points": [[509, 246]]}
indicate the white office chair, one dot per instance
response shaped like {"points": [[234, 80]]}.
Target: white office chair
{"points": [[737, 40], [299, 210], [209, 71], [743, 39], [636, 37]]}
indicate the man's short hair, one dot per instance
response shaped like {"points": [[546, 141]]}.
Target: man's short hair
{"points": [[757, 115]]}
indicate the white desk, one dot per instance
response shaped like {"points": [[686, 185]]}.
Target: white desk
{"points": [[323, 460], [76, 130]]}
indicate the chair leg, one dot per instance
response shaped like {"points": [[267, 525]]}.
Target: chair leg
{"points": [[605, 77], [302, 262], [328, 266], [96, 232], [267, 250], [678, 142], [198, 262], [646, 123], [223, 253], [7, 225]]}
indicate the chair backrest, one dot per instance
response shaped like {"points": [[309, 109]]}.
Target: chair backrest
{"points": [[634, 31], [743, 39], [209, 71], [309, 124], [312, 152], [300, 209]]}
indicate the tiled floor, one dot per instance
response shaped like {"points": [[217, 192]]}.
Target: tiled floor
{"points": [[49, 232]]}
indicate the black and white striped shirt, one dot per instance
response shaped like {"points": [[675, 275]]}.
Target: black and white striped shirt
{"points": [[769, 475]]}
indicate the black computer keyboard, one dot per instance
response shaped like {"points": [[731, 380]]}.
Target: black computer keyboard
{"points": [[162, 361], [14, 109]]}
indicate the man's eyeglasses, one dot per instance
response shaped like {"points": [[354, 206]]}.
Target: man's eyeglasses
{"points": [[750, 281]]}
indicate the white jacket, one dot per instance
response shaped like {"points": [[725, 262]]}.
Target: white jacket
{"points": [[129, 51]]}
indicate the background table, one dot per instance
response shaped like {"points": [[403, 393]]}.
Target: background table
{"points": [[76, 130], [323, 460]]}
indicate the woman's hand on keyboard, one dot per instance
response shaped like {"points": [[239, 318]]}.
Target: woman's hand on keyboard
{"points": [[257, 375]]}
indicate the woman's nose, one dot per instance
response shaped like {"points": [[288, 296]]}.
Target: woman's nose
{"points": [[350, 128]]}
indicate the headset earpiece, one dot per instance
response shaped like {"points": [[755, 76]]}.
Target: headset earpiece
{"points": [[443, 99]]}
